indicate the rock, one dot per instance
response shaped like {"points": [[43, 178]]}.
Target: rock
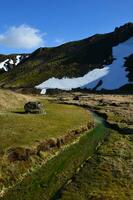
{"points": [[33, 107], [76, 98], [18, 154]]}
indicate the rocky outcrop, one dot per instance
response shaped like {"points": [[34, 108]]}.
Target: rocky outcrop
{"points": [[129, 66]]}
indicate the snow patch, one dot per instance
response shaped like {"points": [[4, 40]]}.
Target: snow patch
{"points": [[3, 65], [18, 59], [71, 83], [10, 61], [117, 75]]}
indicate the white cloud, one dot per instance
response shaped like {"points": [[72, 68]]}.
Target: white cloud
{"points": [[22, 37]]}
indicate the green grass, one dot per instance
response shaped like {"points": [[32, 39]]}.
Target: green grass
{"points": [[45, 182], [108, 175], [18, 129], [28, 129]]}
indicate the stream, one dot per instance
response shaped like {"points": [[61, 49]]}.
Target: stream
{"points": [[95, 137], [48, 180]]}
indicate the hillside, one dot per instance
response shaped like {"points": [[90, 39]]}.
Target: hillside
{"points": [[77, 59]]}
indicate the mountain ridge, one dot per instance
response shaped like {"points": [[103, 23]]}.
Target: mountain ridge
{"points": [[73, 59]]}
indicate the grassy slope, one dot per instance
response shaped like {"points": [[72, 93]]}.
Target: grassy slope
{"points": [[9, 101], [23, 129], [47, 180]]}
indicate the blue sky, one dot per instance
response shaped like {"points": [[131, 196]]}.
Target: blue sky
{"points": [[26, 25]]}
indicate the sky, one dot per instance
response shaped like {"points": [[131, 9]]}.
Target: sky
{"points": [[29, 24]]}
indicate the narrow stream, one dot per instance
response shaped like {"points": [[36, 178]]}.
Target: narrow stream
{"points": [[95, 139]]}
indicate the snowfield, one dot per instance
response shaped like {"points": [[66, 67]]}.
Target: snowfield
{"points": [[71, 83], [112, 76]]}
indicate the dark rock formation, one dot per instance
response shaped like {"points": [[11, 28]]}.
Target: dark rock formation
{"points": [[129, 66], [33, 107]]}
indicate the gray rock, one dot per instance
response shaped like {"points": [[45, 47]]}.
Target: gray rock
{"points": [[33, 107]]}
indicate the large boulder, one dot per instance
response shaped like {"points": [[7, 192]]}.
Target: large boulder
{"points": [[33, 107]]}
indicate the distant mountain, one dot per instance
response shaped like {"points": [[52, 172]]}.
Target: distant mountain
{"points": [[103, 61]]}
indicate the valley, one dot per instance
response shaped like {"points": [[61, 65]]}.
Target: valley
{"points": [[84, 167]]}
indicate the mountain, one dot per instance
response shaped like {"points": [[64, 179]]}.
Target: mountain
{"points": [[103, 61]]}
